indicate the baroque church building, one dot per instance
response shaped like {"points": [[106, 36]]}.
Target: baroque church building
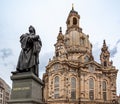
{"points": [[73, 76]]}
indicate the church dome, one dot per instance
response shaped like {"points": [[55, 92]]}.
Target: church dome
{"points": [[75, 40]]}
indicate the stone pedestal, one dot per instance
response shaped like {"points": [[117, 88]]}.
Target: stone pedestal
{"points": [[27, 88]]}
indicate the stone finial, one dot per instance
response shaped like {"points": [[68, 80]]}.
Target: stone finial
{"points": [[60, 31], [104, 43], [104, 48], [72, 6], [60, 35]]}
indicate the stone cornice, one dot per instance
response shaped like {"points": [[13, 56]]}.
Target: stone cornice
{"points": [[93, 63]]}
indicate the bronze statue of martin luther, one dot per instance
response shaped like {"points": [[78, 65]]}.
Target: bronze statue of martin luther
{"points": [[29, 56]]}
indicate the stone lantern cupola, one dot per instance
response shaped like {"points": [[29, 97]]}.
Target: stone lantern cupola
{"points": [[73, 21]]}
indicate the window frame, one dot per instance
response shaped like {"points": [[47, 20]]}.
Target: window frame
{"points": [[74, 21], [56, 87], [91, 89], [73, 88], [104, 90]]}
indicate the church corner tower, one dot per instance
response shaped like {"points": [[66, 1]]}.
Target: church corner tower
{"points": [[73, 76], [105, 56], [60, 51], [109, 71]]}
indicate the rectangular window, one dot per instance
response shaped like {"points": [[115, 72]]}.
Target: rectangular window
{"points": [[104, 96], [56, 94], [56, 85], [0, 101], [73, 88], [73, 94], [91, 95], [0, 95]]}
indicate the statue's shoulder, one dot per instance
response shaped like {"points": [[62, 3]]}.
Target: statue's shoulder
{"points": [[24, 35]]}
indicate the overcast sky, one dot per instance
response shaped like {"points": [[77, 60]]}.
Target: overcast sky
{"points": [[99, 18]]}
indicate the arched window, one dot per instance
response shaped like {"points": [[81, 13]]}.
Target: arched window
{"points": [[68, 22], [86, 58], [56, 87], [57, 54], [105, 63], [91, 68], [56, 66], [74, 21], [104, 90], [82, 41], [67, 41], [73, 88], [91, 89]]}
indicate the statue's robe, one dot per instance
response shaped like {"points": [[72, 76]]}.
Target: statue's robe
{"points": [[29, 55]]}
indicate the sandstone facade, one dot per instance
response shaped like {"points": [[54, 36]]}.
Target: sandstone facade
{"points": [[73, 76]]}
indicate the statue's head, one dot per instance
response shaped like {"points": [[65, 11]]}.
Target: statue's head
{"points": [[32, 29]]}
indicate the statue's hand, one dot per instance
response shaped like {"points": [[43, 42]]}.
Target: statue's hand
{"points": [[36, 37]]}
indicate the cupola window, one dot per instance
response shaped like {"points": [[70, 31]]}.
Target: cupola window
{"points": [[86, 58], [82, 41], [74, 21], [105, 63], [68, 22]]}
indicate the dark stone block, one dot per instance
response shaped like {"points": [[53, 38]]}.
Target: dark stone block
{"points": [[27, 88]]}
